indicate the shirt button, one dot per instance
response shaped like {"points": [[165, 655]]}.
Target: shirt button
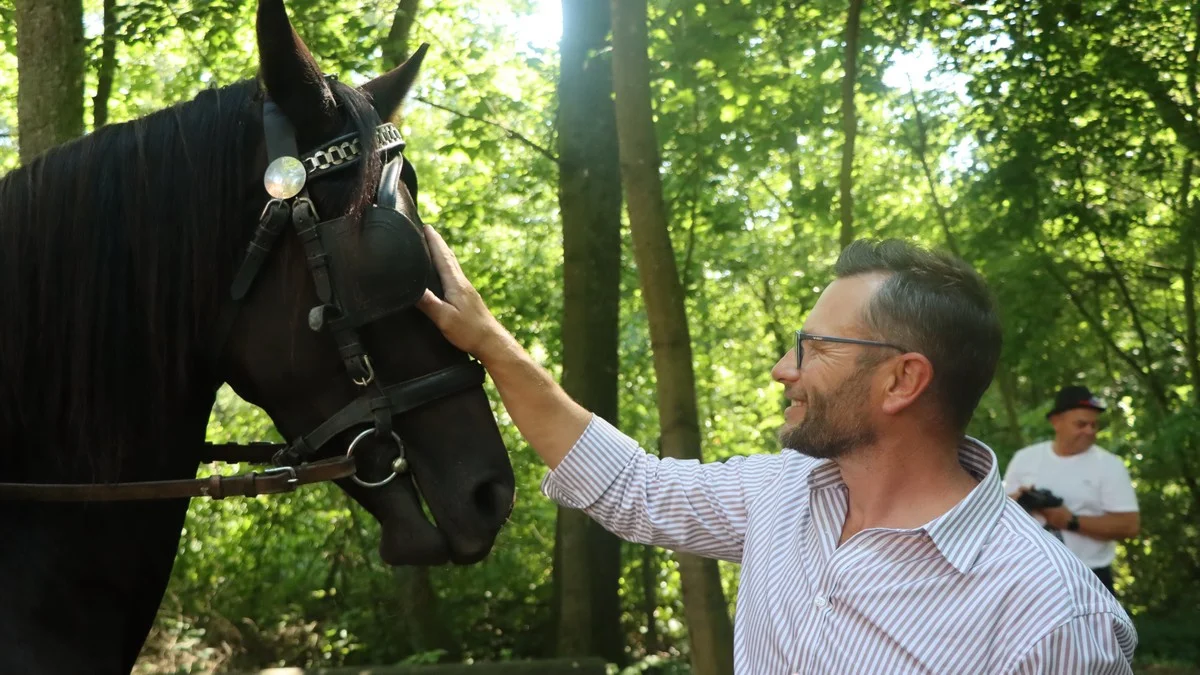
{"points": [[819, 601]]}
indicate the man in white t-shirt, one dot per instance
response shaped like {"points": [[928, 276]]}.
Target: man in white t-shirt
{"points": [[1099, 506]]}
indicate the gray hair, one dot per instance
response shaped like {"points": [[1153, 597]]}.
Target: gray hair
{"points": [[935, 304]]}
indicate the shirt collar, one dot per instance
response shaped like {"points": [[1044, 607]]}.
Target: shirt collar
{"points": [[960, 533]]}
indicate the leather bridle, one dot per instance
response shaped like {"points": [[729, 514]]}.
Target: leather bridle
{"points": [[350, 297]]}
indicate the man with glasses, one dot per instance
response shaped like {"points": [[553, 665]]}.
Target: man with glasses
{"points": [[880, 540], [1099, 506]]}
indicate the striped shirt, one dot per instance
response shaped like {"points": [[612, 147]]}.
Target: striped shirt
{"points": [[980, 589]]}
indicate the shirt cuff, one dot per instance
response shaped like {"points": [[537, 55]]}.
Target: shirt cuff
{"points": [[592, 465]]}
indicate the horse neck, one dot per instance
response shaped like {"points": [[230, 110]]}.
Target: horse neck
{"points": [[115, 254]]}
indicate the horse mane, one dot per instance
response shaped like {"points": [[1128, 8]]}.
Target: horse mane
{"points": [[116, 254]]}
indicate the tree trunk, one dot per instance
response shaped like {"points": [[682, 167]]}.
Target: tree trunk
{"points": [[1189, 239], [849, 121], [108, 63], [920, 146], [1008, 391], [395, 45], [1191, 316], [795, 192], [422, 623], [587, 557], [50, 61], [709, 627], [650, 598]]}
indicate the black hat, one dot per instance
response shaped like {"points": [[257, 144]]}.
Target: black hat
{"points": [[1070, 398]]}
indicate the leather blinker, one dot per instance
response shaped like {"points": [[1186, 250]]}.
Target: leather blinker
{"points": [[381, 268]]}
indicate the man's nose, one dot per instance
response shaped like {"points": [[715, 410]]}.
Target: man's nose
{"points": [[785, 369]]}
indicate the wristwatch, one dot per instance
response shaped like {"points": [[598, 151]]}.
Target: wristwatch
{"points": [[1073, 523]]}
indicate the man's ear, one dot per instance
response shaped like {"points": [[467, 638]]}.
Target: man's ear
{"points": [[907, 378]]}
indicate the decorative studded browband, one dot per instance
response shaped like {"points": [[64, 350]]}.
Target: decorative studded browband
{"points": [[344, 151]]}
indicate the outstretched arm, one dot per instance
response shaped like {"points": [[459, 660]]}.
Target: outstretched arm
{"points": [[682, 505]]}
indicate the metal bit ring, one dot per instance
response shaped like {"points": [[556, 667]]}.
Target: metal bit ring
{"points": [[385, 481]]}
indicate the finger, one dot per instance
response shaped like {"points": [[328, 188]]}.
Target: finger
{"points": [[431, 305], [443, 258], [435, 239]]}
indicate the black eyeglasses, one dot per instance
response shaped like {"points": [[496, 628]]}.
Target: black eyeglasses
{"points": [[801, 336]]}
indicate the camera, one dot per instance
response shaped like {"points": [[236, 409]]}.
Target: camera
{"points": [[1039, 498]]}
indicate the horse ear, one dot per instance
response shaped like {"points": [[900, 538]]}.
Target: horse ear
{"points": [[388, 90], [290, 74]]}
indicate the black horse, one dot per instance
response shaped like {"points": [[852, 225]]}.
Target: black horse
{"points": [[118, 253]]}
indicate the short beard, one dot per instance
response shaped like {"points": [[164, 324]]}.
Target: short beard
{"points": [[830, 433]]}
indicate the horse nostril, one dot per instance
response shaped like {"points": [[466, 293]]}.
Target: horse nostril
{"points": [[493, 499]]}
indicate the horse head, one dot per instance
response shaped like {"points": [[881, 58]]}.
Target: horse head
{"points": [[324, 336]]}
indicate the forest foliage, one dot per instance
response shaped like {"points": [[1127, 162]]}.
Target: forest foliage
{"points": [[1051, 143]]}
